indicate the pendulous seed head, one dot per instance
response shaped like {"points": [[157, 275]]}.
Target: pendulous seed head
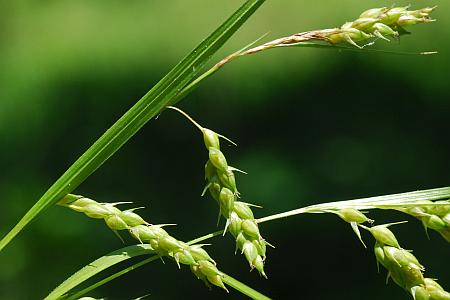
{"points": [[201, 264], [221, 183]]}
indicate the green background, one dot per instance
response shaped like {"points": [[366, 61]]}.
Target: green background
{"points": [[312, 126]]}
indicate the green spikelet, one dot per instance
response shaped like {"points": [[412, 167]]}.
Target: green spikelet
{"points": [[221, 184], [201, 264], [376, 23]]}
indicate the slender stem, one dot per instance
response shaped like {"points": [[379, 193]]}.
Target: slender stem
{"points": [[187, 117], [244, 289]]}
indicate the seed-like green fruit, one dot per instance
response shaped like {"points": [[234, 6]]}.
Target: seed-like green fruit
{"points": [[131, 218], [250, 252], [116, 223], [260, 246], [198, 253], [207, 268], [420, 293], [384, 235], [218, 159], [226, 199], [243, 210], [96, 211], [375, 13], [434, 222], [352, 215], [169, 244], [184, 257], [250, 228], [227, 179], [210, 138]]}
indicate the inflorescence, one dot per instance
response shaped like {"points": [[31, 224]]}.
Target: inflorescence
{"points": [[221, 184], [201, 264]]}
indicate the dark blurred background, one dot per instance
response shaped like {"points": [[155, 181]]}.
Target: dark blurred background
{"points": [[312, 126]]}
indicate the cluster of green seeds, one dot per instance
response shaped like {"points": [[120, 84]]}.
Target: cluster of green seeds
{"points": [[201, 264], [377, 23], [436, 216], [403, 267], [373, 23], [221, 184]]}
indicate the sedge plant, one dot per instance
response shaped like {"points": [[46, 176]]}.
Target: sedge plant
{"points": [[431, 207]]}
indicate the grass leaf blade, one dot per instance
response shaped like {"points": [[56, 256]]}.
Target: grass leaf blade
{"points": [[97, 266]]}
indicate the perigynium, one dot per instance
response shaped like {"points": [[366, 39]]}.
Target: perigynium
{"points": [[354, 217], [201, 264], [221, 184]]}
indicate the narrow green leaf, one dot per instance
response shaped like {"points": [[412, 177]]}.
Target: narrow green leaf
{"points": [[145, 109], [84, 291], [244, 289], [97, 266]]}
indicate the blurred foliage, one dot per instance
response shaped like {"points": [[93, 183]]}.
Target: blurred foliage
{"points": [[312, 126]]}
